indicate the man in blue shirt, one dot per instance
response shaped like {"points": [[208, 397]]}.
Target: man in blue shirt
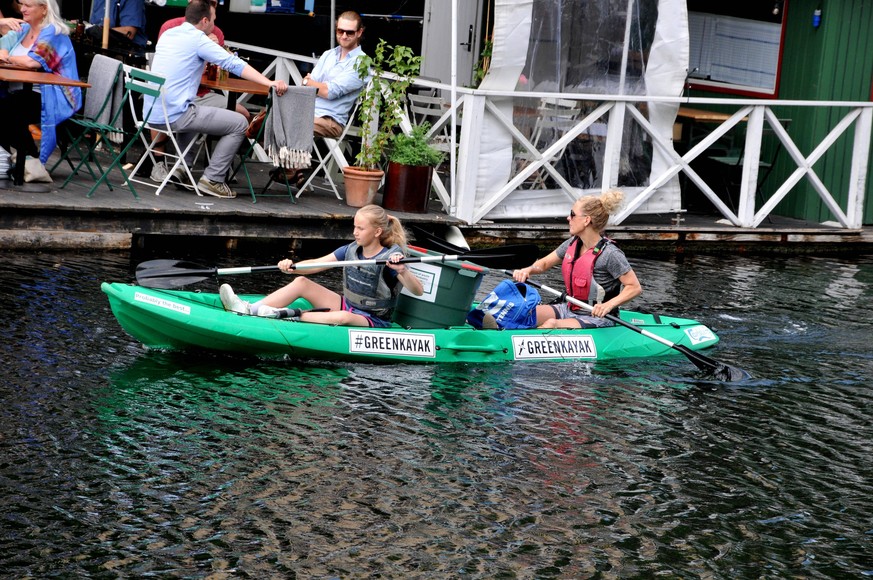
{"points": [[335, 77], [337, 82], [180, 56], [126, 16]]}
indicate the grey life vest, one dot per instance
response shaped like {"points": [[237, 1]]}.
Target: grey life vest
{"points": [[366, 288]]}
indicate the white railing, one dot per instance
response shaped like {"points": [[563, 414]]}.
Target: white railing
{"points": [[461, 200]]}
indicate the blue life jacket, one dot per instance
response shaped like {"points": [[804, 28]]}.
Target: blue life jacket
{"points": [[512, 304]]}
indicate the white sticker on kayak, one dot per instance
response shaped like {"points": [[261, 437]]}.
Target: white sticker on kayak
{"points": [[392, 343], [162, 302], [537, 346], [699, 333]]}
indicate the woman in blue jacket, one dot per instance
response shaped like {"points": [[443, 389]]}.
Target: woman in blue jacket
{"points": [[41, 43]]}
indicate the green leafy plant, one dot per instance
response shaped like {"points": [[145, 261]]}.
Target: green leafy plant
{"points": [[484, 63], [381, 107], [413, 149]]}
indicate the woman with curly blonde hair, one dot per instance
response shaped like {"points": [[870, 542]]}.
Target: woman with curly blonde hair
{"points": [[595, 270]]}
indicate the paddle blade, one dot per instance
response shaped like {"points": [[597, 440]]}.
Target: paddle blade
{"points": [[730, 374], [712, 368], [520, 255], [166, 274], [434, 242], [510, 256]]}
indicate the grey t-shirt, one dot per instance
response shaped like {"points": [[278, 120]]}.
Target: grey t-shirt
{"points": [[609, 267]]}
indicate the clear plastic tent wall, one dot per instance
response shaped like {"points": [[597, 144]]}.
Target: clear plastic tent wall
{"points": [[593, 47]]}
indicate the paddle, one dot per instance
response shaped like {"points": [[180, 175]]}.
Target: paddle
{"points": [[510, 256], [719, 371], [176, 273]]}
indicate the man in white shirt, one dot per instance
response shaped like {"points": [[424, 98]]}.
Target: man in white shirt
{"points": [[180, 56]]}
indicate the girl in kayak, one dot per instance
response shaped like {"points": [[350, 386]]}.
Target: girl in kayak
{"points": [[595, 270], [369, 292]]}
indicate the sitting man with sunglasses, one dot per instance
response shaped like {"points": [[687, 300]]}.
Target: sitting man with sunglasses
{"points": [[335, 77], [337, 81]]}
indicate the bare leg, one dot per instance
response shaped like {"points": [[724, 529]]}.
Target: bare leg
{"points": [[301, 287], [339, 317], [319, 297], [561, 323], [545, 313], [244, 112]]}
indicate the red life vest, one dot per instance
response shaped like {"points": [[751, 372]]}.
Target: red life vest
{"points": [[578, 271]]}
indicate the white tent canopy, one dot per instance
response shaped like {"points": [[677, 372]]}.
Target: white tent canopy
{"points": [[596, 47]]}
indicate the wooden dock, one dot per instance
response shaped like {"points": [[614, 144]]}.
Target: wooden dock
{"points": [[65, 218]]}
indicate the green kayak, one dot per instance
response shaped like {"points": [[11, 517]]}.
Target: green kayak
{"points": [[183, 320]]}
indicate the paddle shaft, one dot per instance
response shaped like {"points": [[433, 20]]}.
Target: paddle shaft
{"points": [[611, 317], [338, 264], [175, 273], [704, 363]]}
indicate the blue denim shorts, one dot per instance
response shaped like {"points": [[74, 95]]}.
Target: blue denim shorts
{"points": [[374, 321], [563, 311]]}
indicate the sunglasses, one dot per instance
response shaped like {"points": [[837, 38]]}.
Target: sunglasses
{"points": [[341, 32]]}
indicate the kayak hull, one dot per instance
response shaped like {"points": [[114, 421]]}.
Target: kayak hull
{"points": [[181, 320]]}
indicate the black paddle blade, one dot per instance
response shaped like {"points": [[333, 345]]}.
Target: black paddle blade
{"points": [[510, 256], [712, 368], [513, 256], [166, 274], [434, 242]]}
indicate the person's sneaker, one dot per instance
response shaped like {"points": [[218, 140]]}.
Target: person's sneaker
{"points": [[269, 312], [231, 301], [180, 180], [159, 172], [215, 188]]}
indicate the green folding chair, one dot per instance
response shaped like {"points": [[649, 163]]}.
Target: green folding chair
{"points": [[94, 128], [144, 83]]}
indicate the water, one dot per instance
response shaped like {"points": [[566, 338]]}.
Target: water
{"points": [[115, 462]]}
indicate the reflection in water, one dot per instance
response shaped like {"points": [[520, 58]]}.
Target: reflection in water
{"points": [[121, 462]]}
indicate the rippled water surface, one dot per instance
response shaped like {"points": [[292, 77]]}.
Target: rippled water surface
{"points": [[117, 462]]}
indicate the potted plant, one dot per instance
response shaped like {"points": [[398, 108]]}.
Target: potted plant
{"points": [[379, 112], [411, 161]]}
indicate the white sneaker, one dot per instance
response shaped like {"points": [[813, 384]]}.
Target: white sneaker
{"points": [[269, 311], [159, 172], [232, 302], [215, 188]]}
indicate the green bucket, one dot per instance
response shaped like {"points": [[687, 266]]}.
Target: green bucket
{"points": [[449, 289]]}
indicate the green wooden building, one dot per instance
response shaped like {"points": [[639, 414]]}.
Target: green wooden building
{"points": [[826, 54]]}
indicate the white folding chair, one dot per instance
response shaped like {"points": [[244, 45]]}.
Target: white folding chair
{"points": [[332, 162], [431, 109], [554, 118], [148, 83]]}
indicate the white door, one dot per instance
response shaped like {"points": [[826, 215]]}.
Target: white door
{"points": [[436, 49]]}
